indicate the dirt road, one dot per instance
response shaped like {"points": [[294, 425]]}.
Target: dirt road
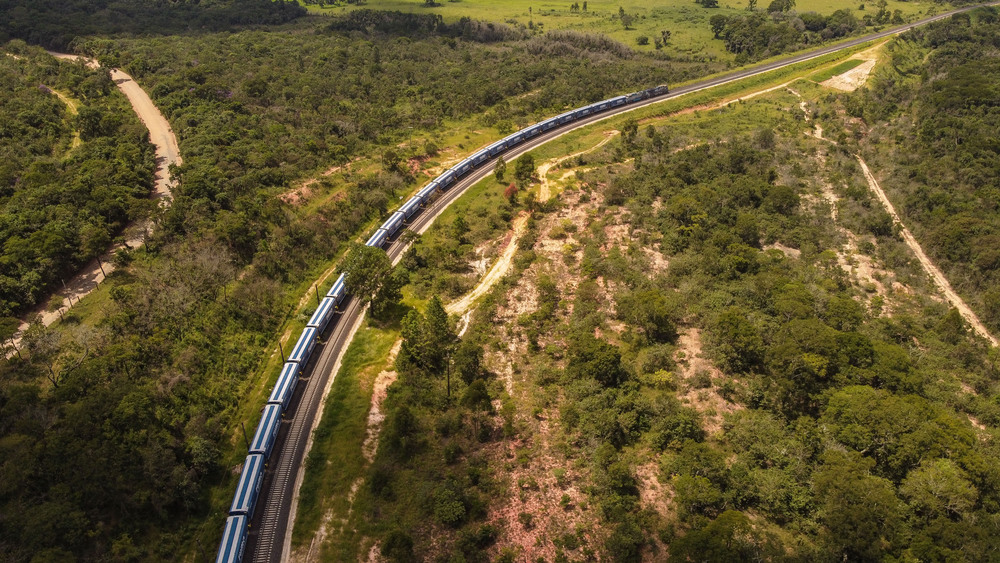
{"points": [[496, 273], [167, 153], [929, 267]]}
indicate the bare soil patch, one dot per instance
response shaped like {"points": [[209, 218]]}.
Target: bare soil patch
{"points": [[692, 364]]}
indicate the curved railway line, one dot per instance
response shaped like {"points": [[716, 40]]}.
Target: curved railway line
{"points": [[269, 538]]}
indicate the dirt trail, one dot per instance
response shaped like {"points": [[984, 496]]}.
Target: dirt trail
{"points": [[496, 273], [929, 267], [167, 154], [545, 192]]}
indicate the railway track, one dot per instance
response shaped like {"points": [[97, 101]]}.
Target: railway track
{"points": [[270, 534]]}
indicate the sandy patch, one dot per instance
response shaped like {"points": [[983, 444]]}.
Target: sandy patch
{"points": [[496, 273], [786, 250], [706, 401], [375, 415], [852, 79]]}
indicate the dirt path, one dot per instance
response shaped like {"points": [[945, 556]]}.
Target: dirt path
{"points": [[74, 109], [545, 191], [167, 154], [929, 266], [496, 273]]}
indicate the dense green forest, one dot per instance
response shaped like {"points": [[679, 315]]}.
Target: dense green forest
{"points": [[117, 432], [54, 24], [933, 124], [70, 179], [846, 425]]}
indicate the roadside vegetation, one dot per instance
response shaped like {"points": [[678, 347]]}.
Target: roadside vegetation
{"points": [[70, 177]]}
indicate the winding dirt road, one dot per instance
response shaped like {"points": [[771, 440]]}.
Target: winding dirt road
{"points": [[167, 154]]}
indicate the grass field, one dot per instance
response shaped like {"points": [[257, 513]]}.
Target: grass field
{"points": [[686, 21], [829, 73]]}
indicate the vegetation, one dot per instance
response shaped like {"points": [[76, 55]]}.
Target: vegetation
{"points": [[70, 177], [944, 170], [848, 435], [55, 24], [177, 350]]}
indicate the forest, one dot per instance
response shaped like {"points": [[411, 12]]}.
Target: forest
{"points": [[70, 179], [55, 24]]}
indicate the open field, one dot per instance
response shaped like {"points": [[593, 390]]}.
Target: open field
{"points": [[686, 21]]}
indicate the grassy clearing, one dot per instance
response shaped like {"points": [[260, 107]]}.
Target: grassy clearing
{"points": [[834, 71], [336, 461], [687, 22], [654, 115]]}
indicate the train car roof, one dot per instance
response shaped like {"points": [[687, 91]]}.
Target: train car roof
{"points": [[252, 470], [286, 382], [325, 305], [233, 537], [308, 334], [337, 285], [270, 418]]}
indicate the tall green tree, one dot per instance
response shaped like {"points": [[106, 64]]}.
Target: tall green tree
{"points": [[372, 279]]}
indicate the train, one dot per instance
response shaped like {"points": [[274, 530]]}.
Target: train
{"points": [[260, 449]]}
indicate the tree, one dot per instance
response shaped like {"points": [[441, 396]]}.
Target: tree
{"points": [[372, 279], [524, 168], [627, 20], [939, 488], [467, 361], [708, 3], [629, 130], [751, 5], [861, 513], [390, 160], [730, 537], [500, 169], [459, 228]]}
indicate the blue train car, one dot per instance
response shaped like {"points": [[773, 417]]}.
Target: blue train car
{"points": [[304, 347], [411, 207], [338, 291], [378, 239], [322, 315], [480, 157], [550, 123], [532, 131], [393, 223], [234, 540], [497, 147], [428, 191], [249, 487], [446, 180], [619, 101], [462, 167], [515, 139], [285, 386], [267, 431]]}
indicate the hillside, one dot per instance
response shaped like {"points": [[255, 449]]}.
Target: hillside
{"points": [[710, 345]]}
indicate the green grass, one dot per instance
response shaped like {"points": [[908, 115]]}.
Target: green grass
{"points": [[687, 22], [335, 461], [836, 70]]}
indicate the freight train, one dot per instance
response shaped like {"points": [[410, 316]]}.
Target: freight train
{"points": [[234, 537]]}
